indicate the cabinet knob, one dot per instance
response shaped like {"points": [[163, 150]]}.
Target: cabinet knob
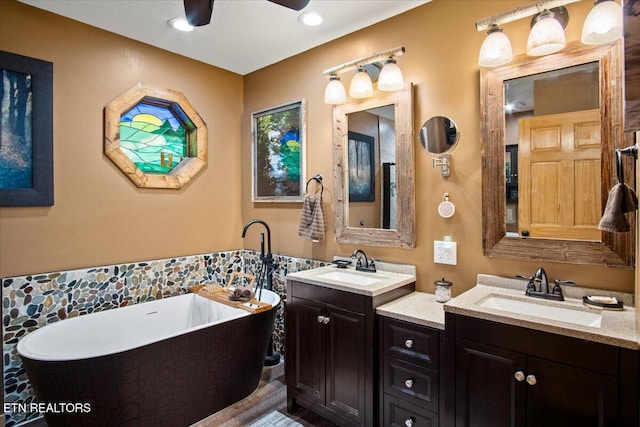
{"points": [[408, 383], [323, 319], [531, 380], [409, 422], [519, 376], [408, 343]]}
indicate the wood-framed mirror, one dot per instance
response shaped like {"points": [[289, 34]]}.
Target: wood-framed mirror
{"points": [[373, 158], [605, 249]]}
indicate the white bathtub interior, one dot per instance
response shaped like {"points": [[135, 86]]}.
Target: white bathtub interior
{"points": [[113, 331]]}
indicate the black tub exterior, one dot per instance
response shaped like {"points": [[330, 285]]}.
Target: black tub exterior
{"points": [[173, 383]]}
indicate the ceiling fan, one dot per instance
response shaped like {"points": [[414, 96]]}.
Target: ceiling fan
{"points": [[198, 12]]}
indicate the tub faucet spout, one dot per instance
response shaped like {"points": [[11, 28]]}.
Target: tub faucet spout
{"points": [[266, 226]]}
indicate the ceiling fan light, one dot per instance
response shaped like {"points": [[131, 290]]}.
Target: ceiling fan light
{"points": [[335, 93], [603, 24], [361, 85], [546, 36], [180, 24], [496, 49], [390, 77]]}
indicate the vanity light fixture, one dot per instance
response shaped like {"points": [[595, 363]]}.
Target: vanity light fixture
{"points": [[361, 85], [180, 24], [603, 24], [546, 36], [390, 78], [496, 48], [335, 92]]}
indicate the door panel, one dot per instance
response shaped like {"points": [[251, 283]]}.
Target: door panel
{"points": [[309, 349], [346, 363], [487, 394], [567, 396], [559, 175]]}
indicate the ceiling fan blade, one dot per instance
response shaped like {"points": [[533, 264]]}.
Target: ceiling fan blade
{"points": [[198, 12], [292, 4]]}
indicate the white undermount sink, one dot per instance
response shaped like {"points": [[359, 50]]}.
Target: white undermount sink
{"points": [[535, 309], [352, 277]]}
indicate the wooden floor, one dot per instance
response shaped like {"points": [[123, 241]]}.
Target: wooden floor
{"points": [[271, 395]]}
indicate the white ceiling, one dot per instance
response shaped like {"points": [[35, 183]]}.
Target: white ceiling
{"points": [[243, 36]]}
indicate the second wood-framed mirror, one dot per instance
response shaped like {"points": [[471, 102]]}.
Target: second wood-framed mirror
{"points": [[374, 169], [602, 248]]}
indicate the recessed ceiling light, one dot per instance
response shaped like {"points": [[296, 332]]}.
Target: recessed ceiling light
{"points": [[180, 24], [310, 18]]}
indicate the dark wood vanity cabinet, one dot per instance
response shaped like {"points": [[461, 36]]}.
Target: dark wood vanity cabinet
{"points": [[410, 381], [512, 376], [330, 360]]}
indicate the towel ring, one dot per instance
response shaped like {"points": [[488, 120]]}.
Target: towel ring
{"points": [[318, 179], [629, 151]]}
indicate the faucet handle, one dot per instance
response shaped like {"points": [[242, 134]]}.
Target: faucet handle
{"points": [[556, 287], [531, 286]]}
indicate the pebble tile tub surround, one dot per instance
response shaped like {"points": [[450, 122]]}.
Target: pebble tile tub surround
{"points": [[32, 301]]}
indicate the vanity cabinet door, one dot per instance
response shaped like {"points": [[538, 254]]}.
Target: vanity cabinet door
{"points": [[566, 396], [487, 393], [308, 349], [345, 362]]}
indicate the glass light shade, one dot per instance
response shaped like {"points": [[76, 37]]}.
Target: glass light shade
{"points": [[546, 36], [603, 24], [390, 77], [496, 49], [335, 92], [361, 86]]}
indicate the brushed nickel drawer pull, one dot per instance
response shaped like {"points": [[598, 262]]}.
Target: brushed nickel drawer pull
{"points": [[408, 343], [408, 383]]}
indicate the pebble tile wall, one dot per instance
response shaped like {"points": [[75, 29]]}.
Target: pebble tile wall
{"points": [[29, 302]]}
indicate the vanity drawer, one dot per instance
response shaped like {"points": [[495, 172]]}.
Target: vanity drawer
{"points": [[398, 413], [346, 300], [411, 383], [410, 342]]}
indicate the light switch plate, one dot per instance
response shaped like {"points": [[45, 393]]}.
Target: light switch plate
{"points": [[445, 252]]}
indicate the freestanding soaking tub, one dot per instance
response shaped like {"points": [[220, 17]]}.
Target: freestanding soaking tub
{"points": [[169, 362]]}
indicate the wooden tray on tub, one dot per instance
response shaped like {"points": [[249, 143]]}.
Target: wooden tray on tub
{"points": [[221, 294]]}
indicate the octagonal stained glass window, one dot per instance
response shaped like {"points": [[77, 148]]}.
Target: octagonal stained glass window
{"points": [[155, 137]]}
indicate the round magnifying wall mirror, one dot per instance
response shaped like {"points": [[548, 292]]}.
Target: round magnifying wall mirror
{"points": [[439, 135]]}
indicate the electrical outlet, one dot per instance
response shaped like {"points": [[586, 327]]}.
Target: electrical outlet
{"points": [[444, 252]]}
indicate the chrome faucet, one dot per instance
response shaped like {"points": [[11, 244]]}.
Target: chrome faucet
{"points": [[542, 290], [367, 265], [541, 276]]}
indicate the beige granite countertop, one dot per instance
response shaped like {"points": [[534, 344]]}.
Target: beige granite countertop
{"points": [[418, 307], [617, 327], [392, 276]]}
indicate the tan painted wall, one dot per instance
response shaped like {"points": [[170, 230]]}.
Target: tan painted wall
{"points": [[99, 216], [442, 49]]}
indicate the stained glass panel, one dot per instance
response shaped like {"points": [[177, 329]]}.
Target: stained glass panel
{"points": [[155, 137]]}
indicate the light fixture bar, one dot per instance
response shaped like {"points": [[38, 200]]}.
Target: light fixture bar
{"points": [[520, 12], [376, 57]]}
